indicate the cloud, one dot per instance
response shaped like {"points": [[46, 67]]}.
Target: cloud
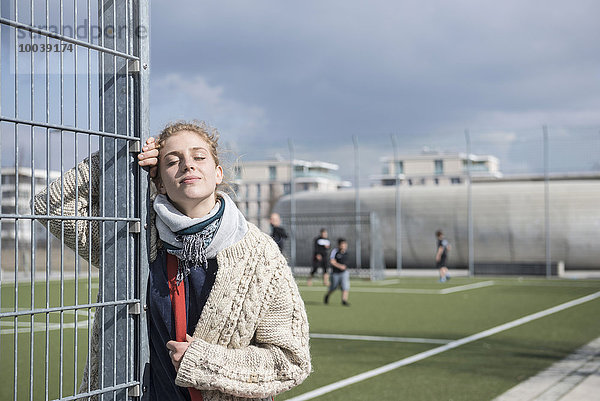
{"points": [[192, 97], [320, 72], [533, 120]]}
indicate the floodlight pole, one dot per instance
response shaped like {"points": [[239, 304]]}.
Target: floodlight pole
{"points": [[469, 207], [398, 207], [547, 202], [292, 206]]}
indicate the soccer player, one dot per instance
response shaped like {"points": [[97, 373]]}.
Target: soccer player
{"points": [[340, 276], [320, 253], [443, 248]]}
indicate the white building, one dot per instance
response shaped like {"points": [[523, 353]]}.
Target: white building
{"points": [[259, 184], [21, 204], [435, 168]]}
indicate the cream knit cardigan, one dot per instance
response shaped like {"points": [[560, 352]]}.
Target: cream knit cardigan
{"points": [[251, 340]]}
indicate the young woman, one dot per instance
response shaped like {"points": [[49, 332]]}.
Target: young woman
{"points": [[226, 321]]}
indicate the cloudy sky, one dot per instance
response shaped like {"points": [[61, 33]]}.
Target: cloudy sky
{"points": [[319, 72]]}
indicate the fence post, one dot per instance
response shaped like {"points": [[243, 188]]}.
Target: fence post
{"points": [[141, 121], [114, 161]]}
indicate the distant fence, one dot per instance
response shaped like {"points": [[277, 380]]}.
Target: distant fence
{"points": [[508, 203], [74, 82], [363, 232]]}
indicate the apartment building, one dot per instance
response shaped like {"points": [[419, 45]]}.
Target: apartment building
{"points": [[16, 199], [435, 168], [259, 184]]}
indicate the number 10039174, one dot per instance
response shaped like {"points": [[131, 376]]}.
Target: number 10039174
{"points": [[46, 48]]}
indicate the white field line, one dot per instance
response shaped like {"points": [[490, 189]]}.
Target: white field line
{"points": [[435, 351], [379, 290], [8, 278], [555, 284], [394, 290], [80, 312], [380, 338], [387, 282], [445, 291], [95, 284], [466, 287], [25, 327], [8, 325]]}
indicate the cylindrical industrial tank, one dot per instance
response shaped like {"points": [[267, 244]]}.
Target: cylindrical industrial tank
{"points": [[508, 221]]}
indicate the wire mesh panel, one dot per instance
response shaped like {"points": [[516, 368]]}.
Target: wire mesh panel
{"points": [[522, 202], [74, 84], [376, 258], [542, 213], [306, 228]]}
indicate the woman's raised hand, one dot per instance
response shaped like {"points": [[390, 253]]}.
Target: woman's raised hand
{"points": [[149, 157]]}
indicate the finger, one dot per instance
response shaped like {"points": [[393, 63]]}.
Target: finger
{"points": [[151, 161], [173, 361], [148, 153], [149, 146], [171, 346]]}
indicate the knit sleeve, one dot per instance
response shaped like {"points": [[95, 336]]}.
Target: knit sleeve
{"points": [[277, 360], [70, 196]]}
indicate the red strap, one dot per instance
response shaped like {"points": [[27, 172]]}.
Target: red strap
{"points": [[177, 299], [178, 306]]}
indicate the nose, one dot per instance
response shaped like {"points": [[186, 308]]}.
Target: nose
{"points": [[188, 164]]}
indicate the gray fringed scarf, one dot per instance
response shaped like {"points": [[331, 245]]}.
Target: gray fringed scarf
{"points": [[194, 241]]}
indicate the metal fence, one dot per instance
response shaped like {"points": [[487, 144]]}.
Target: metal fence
{"points": [[535, 214], [74, 84], [540, 218], [360, 231]]}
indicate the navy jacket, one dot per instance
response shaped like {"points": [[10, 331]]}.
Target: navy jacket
{"points": [[159, 376]]}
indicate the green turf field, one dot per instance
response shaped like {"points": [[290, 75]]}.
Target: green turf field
{"points": [[404, 317], [416, 308], [49, 363]]}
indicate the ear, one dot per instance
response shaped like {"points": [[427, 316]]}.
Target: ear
{"points": [[219, 174], [159, 186]]}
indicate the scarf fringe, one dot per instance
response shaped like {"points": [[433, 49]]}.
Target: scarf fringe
{"points": [[193, 252]]}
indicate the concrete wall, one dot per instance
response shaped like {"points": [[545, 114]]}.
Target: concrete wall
{"points": [[508, 221]]}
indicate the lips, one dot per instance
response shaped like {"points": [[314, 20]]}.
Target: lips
{"points": [[189, 180]]}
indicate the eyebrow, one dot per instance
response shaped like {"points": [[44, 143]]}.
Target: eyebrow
{"points": [[176, 152]]}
